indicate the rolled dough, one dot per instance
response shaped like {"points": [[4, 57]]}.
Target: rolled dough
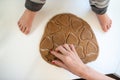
{"points": [[70, 29]]}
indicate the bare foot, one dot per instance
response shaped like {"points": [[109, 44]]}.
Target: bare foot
{"points": [[105, 22], [25, 22]]}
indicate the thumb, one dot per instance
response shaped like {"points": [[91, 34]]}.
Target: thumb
{"points": [[59, 63]]}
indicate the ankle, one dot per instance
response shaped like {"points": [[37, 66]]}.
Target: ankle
{"points": [[29, 12], [101, 15]]}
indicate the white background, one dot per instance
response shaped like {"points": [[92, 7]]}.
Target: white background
{"points": [[19, 54]]}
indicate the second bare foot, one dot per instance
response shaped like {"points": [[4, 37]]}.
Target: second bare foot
{"points": [[105, 22], [25, 22]]}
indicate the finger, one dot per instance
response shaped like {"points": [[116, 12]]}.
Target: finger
{"points": [[62, 50], [67, 47], [59, 63], [58, 55], [73, 48]]}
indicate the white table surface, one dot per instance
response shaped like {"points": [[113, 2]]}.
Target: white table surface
{"points": [[19, 54]]}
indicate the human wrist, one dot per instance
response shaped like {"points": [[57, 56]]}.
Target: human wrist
{"points": [[82, 71]]}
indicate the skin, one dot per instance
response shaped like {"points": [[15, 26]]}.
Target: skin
{"points": [[25, 22], [105, 22], [71, 62]]}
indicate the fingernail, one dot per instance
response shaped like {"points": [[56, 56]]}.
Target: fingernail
{"points": [[53, 62], [51, 49]]}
